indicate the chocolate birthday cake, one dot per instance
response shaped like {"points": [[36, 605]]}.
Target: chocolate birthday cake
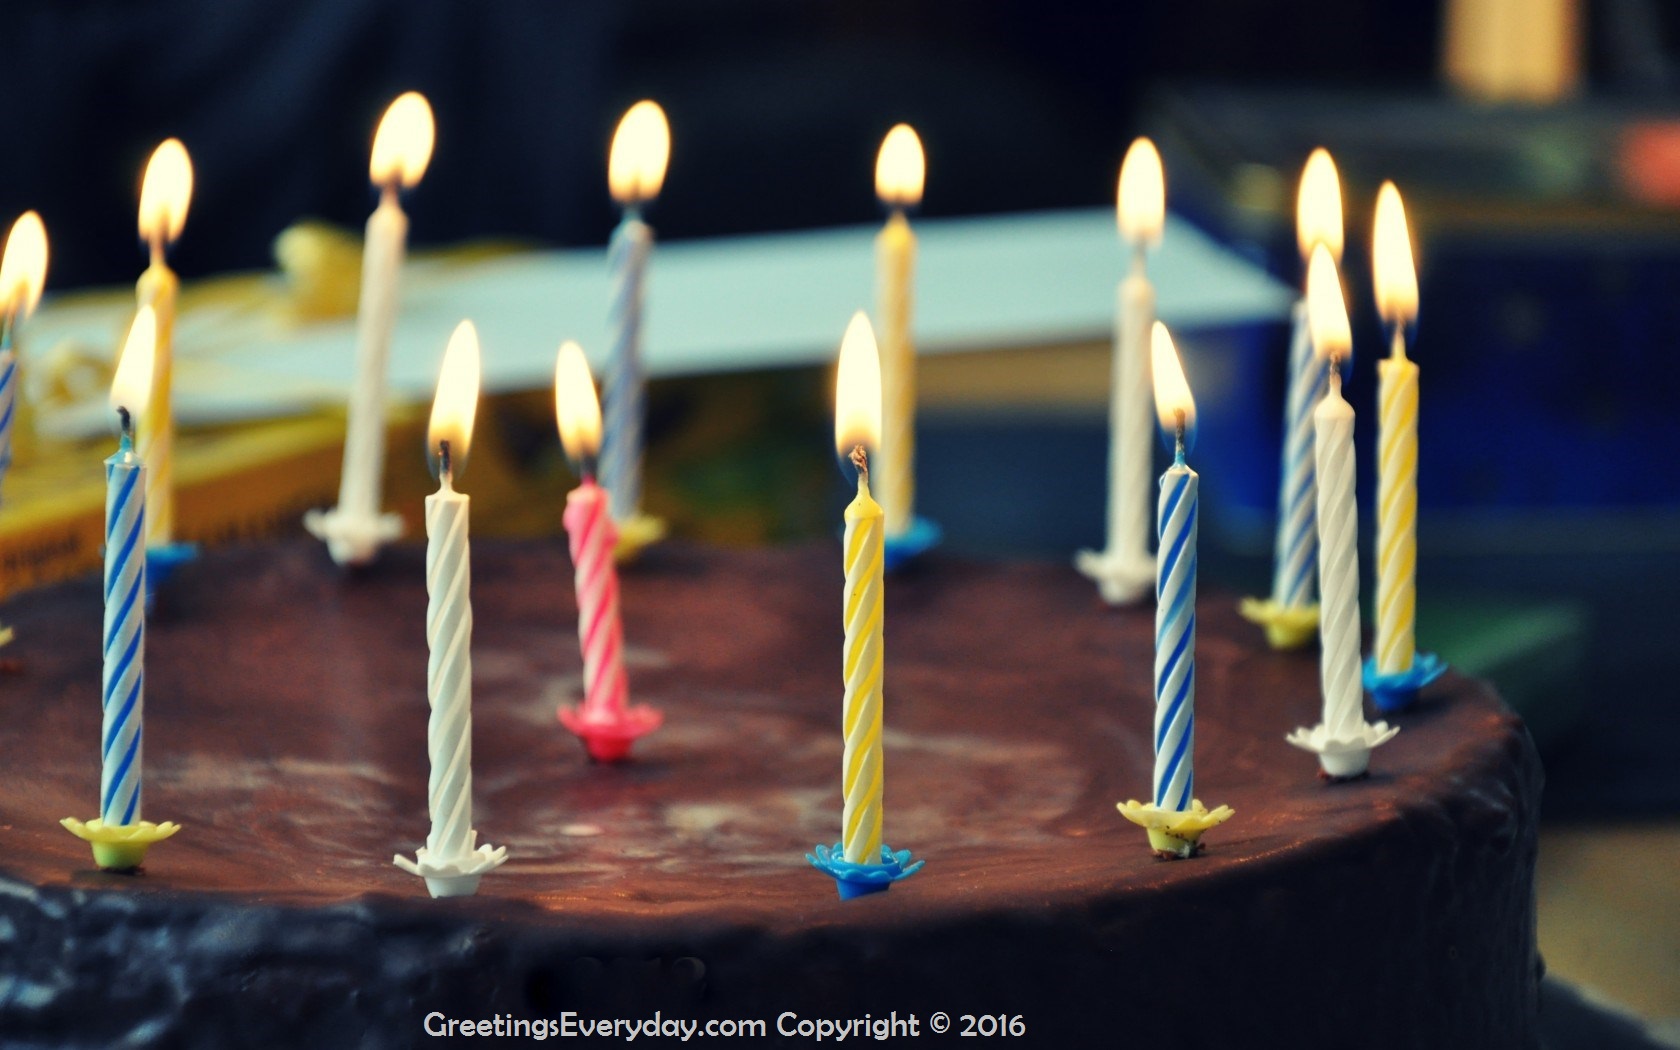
{"points": [[286, 732]]}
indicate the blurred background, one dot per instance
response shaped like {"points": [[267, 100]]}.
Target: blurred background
{"points": [[1537, 142]]}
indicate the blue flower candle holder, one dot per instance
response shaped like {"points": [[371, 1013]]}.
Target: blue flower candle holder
{"points": [[1395, 692], [922, 536], [857, 880]]}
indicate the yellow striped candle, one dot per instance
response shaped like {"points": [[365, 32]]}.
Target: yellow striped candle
{"points": [[857, 421], [1397, 299], [165, 193], [900, 170]]}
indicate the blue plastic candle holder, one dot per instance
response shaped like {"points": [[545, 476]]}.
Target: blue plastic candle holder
{"points": [[1395, 692], [857, 880], [922, 536], [161, 563]]}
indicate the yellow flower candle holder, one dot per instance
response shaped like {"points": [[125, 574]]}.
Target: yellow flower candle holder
{"points": [[635, 534], [1174, 834], [119, 847], [1287, 626]]}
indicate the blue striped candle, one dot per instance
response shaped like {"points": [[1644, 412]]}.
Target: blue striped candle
{"points": [[624, 397], [1175, 637], [125, 633], [1295, 568], [1175, 587], [8, 404]]}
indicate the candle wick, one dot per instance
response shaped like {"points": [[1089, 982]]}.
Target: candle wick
{"points": [[155, 242], [1178, 437], [126, 422], [8, 321], [1398, 340], [445, 467], [1140, 258], [860, 460]]}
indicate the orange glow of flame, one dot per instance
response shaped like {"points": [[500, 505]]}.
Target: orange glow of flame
{"points": [[1172, 390], [456, 403], [1327, 314], [165, 193], [641, 149], [23, 270], [402, 146], [1318, 206], [1142, 194], [900, 168], [131, 386], [577, 409], [857, 388], [1391, 248]]}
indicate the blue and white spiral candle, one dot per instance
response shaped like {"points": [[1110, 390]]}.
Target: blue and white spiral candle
{"points": [[1175, 635], [624, 394], [1295, 568], [8, 400], [125, 632]]}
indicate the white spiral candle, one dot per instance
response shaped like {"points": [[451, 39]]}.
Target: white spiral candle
{"points": [[8, 405], [1131, 416], [1175, 638], [1338, 566], [449, 672], [624, 393], [359, 487], [155, 434]]}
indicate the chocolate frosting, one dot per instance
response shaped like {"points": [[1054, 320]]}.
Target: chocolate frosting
{"points": [[286, 731]]}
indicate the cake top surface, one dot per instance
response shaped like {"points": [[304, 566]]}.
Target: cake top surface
{"points": [[286, 731]]}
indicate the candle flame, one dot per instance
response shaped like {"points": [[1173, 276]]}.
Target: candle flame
{"points": [[1327, 315], [165, 193], [131, 385], [23, 270], [1142, 194], [1172, 390], [857, 388], [1318, 206], [456, 403], [641, 149], [900, 168], [576, 407], [1391, 248], [402, 146]]}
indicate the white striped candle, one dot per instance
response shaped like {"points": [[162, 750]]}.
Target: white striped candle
{"points": [[23, 271], [1295, 567], [165, 193]]}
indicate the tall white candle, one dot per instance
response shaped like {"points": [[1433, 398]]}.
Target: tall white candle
{"points": [[451, 859], [402, 147], [900, 173], [165, 194], [1124, 570], [641, 150]]}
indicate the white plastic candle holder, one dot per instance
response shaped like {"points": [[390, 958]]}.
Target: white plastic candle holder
{"points": [[453, 876], [1343, 758], [353, 539], [1122, 577]]}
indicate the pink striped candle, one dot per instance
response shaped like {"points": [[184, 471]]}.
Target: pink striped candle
{"points": [[605, 721]]}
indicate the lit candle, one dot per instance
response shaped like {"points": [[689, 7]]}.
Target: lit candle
{"points": [[1396, 670], [1343, 740], [451, 861], [402, 147], [23, 273], [1124, 569], [605, 721], [857, 422], [1175, 586], [641, 148], [860, 863], [1291, 615], [119, 837], [165, 194], [125, 584], [900, 170], [1176, 819]]}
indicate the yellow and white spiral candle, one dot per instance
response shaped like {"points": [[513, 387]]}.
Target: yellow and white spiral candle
{"points": [[1397, 449], [900, 171], [165, 194]]}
